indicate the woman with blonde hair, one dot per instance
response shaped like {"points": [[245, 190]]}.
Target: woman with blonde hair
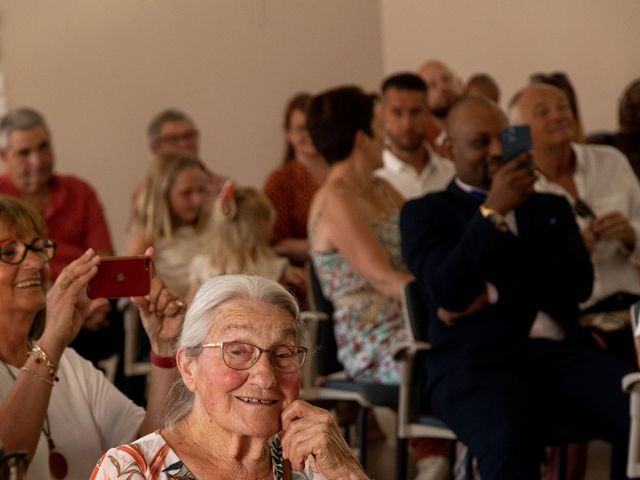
{"points": [[173, 217], [242, 224]]}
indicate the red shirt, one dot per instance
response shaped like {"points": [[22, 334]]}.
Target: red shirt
{"points": [[74, 218], [290, 188]]}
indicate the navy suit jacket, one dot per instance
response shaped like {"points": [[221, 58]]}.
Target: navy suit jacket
{"points": [[454, 252]]}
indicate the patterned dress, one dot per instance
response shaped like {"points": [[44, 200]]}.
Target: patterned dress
{"points": [[368, 325], [151, 458]]}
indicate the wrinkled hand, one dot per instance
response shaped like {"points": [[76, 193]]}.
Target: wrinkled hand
{"points": [[162, 315], [67, 303], [450, 318], [512, 184], [311, 433], [614, 226]]}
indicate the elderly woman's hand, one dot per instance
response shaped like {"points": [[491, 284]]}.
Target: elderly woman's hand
{"points": [[162, 314], [311, 433], [67, 303]]}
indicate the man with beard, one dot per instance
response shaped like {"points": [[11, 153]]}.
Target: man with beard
{"points": [[444, 88], [491, 257], [410, 165]]}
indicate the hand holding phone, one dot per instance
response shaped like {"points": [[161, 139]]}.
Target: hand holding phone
{"points": [[516, 139], [121, 277]]}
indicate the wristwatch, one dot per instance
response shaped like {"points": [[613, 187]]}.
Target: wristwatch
{"points": [[495, 217]]}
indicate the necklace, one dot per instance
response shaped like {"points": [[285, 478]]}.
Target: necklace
{"points": [[58, 466]]}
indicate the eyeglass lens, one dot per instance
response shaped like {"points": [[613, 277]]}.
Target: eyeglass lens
{"points": [[14, 252], [242, 356]]}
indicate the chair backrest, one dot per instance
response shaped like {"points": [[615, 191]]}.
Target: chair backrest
{"points": [[327, 349], [415, 312]]}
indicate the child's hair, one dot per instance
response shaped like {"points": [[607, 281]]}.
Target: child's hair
{"points": [[155, 216], [243, 220]]}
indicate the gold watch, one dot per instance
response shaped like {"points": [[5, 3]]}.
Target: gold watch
{"points": [[495, 217]]}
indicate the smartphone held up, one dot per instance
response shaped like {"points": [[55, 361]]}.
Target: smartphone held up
{"points": [[121, 277], [516, 139]]}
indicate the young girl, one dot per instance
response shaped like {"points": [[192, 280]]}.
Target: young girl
{"points": [[243, 220], [173, 218]]}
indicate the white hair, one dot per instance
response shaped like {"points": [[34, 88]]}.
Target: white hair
{"points": [[201, 317]]}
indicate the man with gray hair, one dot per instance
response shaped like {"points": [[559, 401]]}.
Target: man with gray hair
{"points": [[70, 207], [172, 130]]}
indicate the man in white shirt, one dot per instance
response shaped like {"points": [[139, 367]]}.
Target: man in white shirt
{"points": [[598, 181], [410, 165]]}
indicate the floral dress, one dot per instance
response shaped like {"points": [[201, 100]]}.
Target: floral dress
{"points": [[151, 458], [368, 325]]}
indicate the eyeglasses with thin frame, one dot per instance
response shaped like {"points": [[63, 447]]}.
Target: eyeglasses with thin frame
{"points": [[175, 139], [14, 252], [243, 356]]}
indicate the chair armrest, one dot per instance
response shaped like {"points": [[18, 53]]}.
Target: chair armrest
{"points": [[310, 325], [406, 351], [631, 382]]}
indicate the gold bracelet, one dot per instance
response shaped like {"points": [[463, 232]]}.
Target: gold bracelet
{"points": [[48, 381], [495, 217], [44, 357]]}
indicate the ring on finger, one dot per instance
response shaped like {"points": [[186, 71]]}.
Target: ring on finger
{"points": [[181, 306], [66, 281]]}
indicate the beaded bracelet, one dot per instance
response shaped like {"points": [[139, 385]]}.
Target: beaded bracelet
{"points": [[48, 381]]}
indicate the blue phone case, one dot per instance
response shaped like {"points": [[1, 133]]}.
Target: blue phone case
{"points": [[515, 140]]}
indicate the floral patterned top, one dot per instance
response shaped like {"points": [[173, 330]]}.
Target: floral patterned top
{"points": [[151, 458], [368, 325]]}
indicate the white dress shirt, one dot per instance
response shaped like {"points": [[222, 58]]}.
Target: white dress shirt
{"points": [[605, 181], [435, 176]]}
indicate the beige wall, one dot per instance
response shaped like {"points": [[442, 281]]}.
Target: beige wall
{"points": [[99, 70], [594, 41]]}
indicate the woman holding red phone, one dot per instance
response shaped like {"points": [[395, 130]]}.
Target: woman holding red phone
{"points": [[53, 404]]}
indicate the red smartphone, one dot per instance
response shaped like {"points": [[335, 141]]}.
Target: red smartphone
{"points": [[121, 277]]}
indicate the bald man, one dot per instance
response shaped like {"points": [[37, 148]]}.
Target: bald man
{"points": [[600, 183], [491, 257], [444, 87]]}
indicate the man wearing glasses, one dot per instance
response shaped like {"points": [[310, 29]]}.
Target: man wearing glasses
{"points": [[173, 131]]}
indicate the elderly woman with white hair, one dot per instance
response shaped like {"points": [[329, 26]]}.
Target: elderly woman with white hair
{"points": [[235, 413]]}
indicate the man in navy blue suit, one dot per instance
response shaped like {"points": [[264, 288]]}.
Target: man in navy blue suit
{"points": [[503, 269]]}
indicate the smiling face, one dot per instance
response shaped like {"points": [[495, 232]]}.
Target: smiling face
{"points": [[243, 402], [29, 159], [474, 136], [22, 286], [546, 109], [187, 195]]}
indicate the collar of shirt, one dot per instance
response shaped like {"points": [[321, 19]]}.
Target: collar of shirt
{"points": [[469, 188], [393, 163]]}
